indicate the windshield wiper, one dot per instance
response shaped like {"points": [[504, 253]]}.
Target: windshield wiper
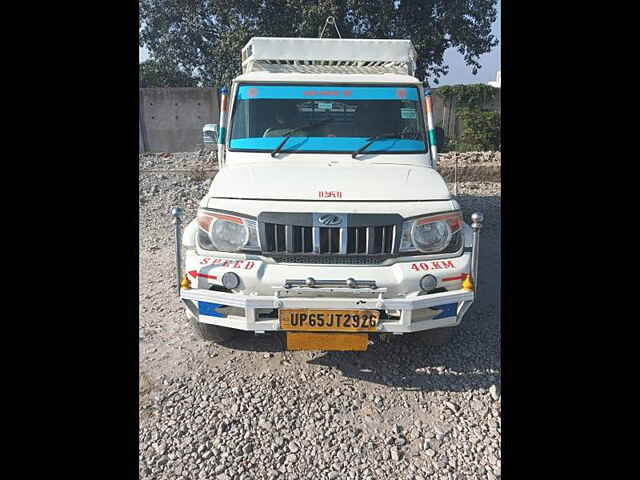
{"points": [[297, 129], [373, 139]]}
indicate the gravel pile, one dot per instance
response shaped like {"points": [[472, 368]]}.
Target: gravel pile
{"points": [[467, 158], [471, 166], [205, 158], [249, 410]]}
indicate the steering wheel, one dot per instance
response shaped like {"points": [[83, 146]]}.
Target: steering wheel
{"points": [[406, 131], [278, 132]]}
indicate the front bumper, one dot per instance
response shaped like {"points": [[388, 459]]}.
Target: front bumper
{"points": [[254, 305], [264, 287], [424, 312]]}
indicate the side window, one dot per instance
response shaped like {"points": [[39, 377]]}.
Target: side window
{"points": [[242, 119]]}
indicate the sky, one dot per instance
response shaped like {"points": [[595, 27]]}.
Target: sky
{"points": [[459, 72]]}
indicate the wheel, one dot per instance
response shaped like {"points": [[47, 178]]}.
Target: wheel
{"points": [[436, 337], [213, 333]]}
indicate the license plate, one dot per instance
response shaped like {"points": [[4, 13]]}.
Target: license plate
{"points": [[329, 320], [327, 341]]}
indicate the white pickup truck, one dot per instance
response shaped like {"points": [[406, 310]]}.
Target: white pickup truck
{"points": [[328, 220]]}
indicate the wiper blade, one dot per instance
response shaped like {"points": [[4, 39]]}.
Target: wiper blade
{"points": [[373, 139], [297, 129]]}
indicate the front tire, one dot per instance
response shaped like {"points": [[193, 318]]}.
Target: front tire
{"points": [[213, 333]]}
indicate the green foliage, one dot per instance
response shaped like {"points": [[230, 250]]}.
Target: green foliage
{"points": [[475, 96], [481, 127], [481, 131], [443, 140], [205, 37], [153, 74]]}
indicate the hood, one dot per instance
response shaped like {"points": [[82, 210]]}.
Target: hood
{"points": [[309, 182]]}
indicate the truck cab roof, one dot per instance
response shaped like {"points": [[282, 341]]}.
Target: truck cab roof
{"points": [[324, 78]]}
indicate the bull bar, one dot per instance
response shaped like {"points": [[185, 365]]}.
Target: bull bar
{"points": [[408, 306]]}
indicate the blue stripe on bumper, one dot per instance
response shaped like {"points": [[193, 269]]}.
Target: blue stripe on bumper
{"points": [[210, 309], [447, 310]]}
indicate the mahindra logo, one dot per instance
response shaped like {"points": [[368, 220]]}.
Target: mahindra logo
{"points": [[330, 220]]}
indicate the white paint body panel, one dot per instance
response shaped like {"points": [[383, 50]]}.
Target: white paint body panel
{"points": [[322, 160], [302, 179], [406, 209], [399, 278], [323, 78]]}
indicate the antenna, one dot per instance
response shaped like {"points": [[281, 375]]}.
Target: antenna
{"points": [[330, 21]]}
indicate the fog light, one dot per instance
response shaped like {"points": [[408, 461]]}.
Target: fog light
{"points": [[230, 280], [427, 283]]}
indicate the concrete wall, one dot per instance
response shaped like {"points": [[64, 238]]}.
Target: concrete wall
{"points": [[171, 119]]}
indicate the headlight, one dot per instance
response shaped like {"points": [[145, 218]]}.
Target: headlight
{"points": [[430, 234], [226, 233]]}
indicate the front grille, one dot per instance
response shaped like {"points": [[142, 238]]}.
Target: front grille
{"points": [[453, 247], [360, 235], [359, 240], [275, 238]]}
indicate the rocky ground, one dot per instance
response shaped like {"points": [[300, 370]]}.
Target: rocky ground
{"points": [[198, 160], [468, 158], [470, 166], [249, 410]]}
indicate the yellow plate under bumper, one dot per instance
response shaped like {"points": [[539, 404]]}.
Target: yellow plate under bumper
{"points": [[327, 341]]}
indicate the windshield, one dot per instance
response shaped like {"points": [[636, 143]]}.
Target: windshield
{"points": [[264, 114]]}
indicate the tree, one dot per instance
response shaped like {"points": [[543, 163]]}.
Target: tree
{"points": [[205, 37], [153, 73]]}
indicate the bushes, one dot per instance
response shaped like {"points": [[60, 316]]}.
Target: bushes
{"points": [[481, 131], [442, 139], [481, 124]]}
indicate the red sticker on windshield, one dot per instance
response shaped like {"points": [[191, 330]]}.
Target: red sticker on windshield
{"points": [[401, 93], [252, 92]]}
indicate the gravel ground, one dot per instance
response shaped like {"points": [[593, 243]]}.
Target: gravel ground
{"points": [[249, 410], [200, 159], [467, 158], [471, 166]]}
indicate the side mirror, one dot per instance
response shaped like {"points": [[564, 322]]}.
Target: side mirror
{"points": [[210, 133]]}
